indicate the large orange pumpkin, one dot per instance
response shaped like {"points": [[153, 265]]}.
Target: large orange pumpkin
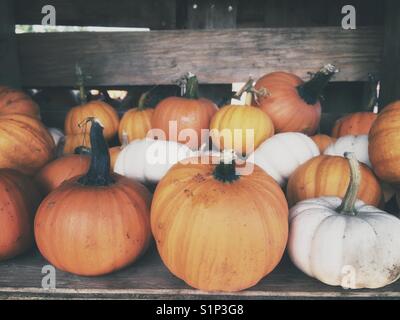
{"points": [[98, 109], [25, 143], [136, 123], [56, 172], [73, 141], [230, 126], [354, 124], [330, 176], [19, 199], [97, 223], [292, 104], [216, 230], [15, 101], [182, 113], [323, 141], [384, 144]]}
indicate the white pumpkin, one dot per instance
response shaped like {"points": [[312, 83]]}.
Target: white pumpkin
{"points": [[345, 242], [57, 135], [282, 154], [148, 160], [356, 144]]}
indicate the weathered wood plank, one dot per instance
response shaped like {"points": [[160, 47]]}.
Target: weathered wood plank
{"points": [[9, 67], [154, 14], [149, 278], [391, 60], [216, 56]]}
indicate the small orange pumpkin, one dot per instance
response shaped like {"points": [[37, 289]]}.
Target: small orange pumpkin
{"points": [[136, 123], [56, 172], [97, 223], [330, 176], [354, 124], [16, 101], [19, 199], [384, 144], [230, 125], [323, 141], [292, 104], [216, 230], [188, 112], [25, 143]]}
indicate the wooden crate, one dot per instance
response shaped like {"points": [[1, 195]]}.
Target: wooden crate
{"points": [[222, 42]]}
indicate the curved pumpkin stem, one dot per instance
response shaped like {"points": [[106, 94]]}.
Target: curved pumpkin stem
{"points": [[192, 86], [225, 171], [250, 92], [81, 83], [349, 200], [311, 91], [143, 100], [99, 170], [373, 89]]}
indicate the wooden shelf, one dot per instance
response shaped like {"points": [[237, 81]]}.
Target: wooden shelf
{"points": [[21, 278]]}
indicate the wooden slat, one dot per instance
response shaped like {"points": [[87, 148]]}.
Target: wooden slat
{"points": [[9, 67], [149, 278], [216, 56], [391, 61], [154, 14]]}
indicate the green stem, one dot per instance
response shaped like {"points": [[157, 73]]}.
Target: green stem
{"points": [[192, 87], [143, 100], [312, 90], [373, 93], [99, 170], [348, 204], [225, 171], [81, 83]]}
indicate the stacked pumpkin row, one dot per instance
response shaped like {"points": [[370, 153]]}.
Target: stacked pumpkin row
{"points": [[215, 228]]}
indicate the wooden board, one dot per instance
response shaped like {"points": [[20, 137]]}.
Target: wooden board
{"points": [[154, 14], [216, 56], [149, 278]]}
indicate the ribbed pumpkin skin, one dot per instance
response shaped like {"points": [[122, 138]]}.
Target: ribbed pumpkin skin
{"points": [[93, 230], [233, 117], [25, 143], [219, 236], [288, 111], [72, 141], [56, 172], [192, 114], [323, 141], [102, 111], [14, 101], [330, 176], [384, 144], [19, 199], [354, 124], [135, 123]]}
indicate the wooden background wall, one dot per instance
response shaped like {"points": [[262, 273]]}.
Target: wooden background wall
{"points": [[223, 41]]}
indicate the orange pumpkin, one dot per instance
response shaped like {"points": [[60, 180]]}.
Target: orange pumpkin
{"points": [[292, 104], [15, 101], [136, 123], [73, 141], [182, 113], [230, 125], [216, 230], [25, 143], [354, 124], [19, 199], [384, 144], [100, 110], [56, 172], [330, 176], [97, 223], [323, 141]]}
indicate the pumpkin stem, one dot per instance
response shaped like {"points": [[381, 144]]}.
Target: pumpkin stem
{"points": [[373, 89], [192, 86], [349, 200], [99, 170], [81, 83], [311, 90], [143, 100], [250, 91], [225, 171]]}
